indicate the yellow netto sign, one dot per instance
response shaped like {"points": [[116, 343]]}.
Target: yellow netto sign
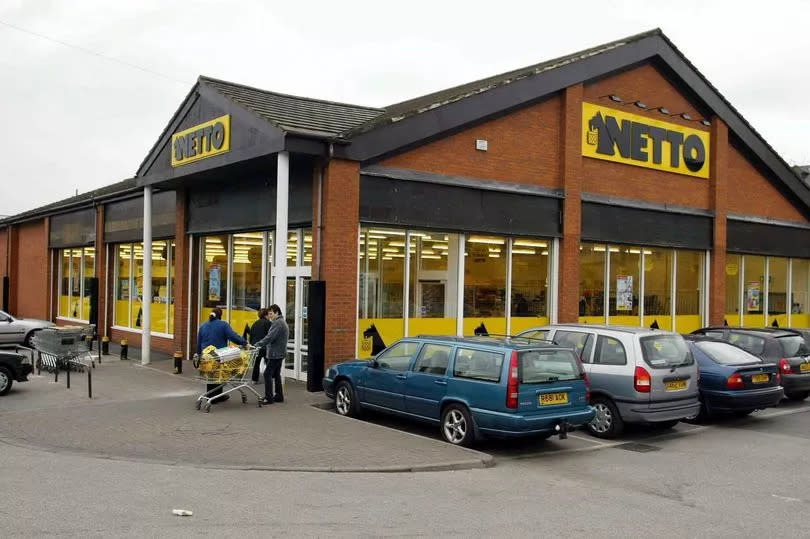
{"points": [[201, 141], [621, 137]]}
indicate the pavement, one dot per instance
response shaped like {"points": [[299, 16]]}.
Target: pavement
{"points": [[147, 414]]}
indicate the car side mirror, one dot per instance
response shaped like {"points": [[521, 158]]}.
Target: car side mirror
{"points": [[374, 364]]}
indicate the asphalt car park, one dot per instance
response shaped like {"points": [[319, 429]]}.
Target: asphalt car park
{"points": [[790, 418]]}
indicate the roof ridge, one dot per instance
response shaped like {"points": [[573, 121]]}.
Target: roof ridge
{"points": [[206, 79]]}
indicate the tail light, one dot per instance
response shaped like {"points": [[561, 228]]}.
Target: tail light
{"points": [[642, 381], [587, 387], [784, 366], [735, 381], [512, 382]]}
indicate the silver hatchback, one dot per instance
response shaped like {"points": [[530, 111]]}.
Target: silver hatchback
{"points": [[637, 375]]}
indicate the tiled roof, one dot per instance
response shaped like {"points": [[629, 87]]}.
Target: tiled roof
{"points": [[299, 115], [399, 111]]}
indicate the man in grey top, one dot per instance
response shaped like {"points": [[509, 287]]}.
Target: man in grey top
{"points": [[276, 343]]}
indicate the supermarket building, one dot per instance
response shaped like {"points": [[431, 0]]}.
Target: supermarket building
{"points": [[614, 185]]}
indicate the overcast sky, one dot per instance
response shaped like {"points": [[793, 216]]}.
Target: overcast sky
{"points": [[83, 113]]}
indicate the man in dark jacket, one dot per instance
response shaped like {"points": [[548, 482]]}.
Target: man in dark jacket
{"points": [[257, 332], [216, 332], [276, 343]]}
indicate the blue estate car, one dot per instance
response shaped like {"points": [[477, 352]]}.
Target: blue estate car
{"points": [[733, 380], [469, 386]]}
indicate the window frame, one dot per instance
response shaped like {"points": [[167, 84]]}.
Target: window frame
{"points": [[403, 342], [597, 351], [423, 353], [170, 276]]}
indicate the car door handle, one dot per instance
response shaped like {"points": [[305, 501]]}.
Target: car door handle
{"points": [[402, 376], [440, 382]]}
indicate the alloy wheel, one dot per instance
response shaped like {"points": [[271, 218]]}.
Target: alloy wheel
{"points": [[455, 427], [343, 400], [603, 419], [4, 380]]}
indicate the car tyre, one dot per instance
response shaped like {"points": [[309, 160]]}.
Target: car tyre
{"points": [[607, 423], [28, 338], [457, 426], [346, 400], [664, 425], [797, 395], [6, 381]]}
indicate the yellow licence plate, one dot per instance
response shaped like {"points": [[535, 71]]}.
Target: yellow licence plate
{"points": [[547, 399], [678, 385], [805, 367], [760, 378]]}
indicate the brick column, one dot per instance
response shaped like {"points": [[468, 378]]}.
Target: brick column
{"points": [[718, 167], [571, 155], [181, 264], [338, 264], [13, 254], [101, 271]]}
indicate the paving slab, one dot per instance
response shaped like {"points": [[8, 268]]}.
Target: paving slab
{"points": [[147, 414]]}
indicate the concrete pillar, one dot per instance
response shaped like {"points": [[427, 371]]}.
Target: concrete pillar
{"points": [[718, 167], [571, 154], [339, 251], [146, 293], [282, 208]]}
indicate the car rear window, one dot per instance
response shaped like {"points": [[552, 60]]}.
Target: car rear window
{"points": [[726, 354], [793, 345], [478, 364], [541, 366], [749, 343], [665, 351]]}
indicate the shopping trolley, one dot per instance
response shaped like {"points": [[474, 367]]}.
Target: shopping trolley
{"points": [[64, 347], [228, 367]]}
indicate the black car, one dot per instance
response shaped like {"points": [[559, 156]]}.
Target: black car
{"points": [[13, 367], [784, 347], [804, 332]]}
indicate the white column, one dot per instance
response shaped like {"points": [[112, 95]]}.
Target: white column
{"points": [[146, 293], [282, 205]]}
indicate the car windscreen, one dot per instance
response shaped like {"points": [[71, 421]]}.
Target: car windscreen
{"points": [[665, 351], [541, 366], [793, 345], [726, 354]]}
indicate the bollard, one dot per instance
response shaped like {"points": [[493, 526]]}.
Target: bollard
{"points": [[89, 339], [39, 363], [105, 345], [178, 362], [99, 350], [124, 348], [68, 373]]}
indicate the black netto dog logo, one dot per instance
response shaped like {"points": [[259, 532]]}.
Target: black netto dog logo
{"points": [[608, 135], [377, 344]]}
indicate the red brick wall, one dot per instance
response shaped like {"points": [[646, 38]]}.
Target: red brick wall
{"points": [[572, 170], [30, 275], [338, 265], [3, 260], [646, 84], [523, 147], [751, 193], [719, 203], [161, 344]]}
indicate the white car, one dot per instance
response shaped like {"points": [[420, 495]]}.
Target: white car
{"points": [[19, 330]]}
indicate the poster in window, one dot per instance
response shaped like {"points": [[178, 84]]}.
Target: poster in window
{"points": [[624, 292], [752, 297], [214, 282]]}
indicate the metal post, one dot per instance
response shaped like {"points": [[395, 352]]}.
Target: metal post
{"points": [[282, 205], [89, 384], [146, 293], [67, 364]]}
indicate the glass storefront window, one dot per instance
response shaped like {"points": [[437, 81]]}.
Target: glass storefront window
{"points": [[689, 285], [592, 281], [432, 289], [247, 280], [753, 290], [485, 261], [307, 249], [800, 299], [624, 283], [658, 285], [76, 271], [292, 248], [214, 276], [733, 267], [128, 286], [529, 293], [777, 290]]}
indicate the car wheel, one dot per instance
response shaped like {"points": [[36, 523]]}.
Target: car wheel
{"points": [[797, 395], [28, 338], [743, 413], [457, 425], [663, 425], [607, 423], [346, 400], [6, 380]]}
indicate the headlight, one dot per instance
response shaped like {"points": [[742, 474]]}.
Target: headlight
{"points": [[332, 372]]}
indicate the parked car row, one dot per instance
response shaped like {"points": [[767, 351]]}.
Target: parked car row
{"points": [[551, 379]]}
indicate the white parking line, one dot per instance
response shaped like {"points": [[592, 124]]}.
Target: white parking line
{"points": [[588, 439], [776, 413]]}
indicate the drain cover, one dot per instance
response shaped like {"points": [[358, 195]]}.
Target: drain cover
{"points": [[638, 448]]}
